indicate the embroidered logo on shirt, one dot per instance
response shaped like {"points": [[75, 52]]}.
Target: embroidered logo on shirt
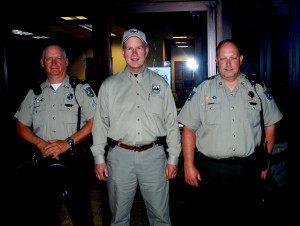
{"points": [[191, 95], [155, 88], [268, 94], [89, 91]]}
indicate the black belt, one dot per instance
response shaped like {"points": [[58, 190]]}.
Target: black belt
{"points": [[230, 160]]}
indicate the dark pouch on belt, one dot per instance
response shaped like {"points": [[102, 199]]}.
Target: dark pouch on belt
{"points": [[262, 157]]}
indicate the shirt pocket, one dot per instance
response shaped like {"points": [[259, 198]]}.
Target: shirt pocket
{"points": [[212, 113], [155, 104], [39, 115], [253, 109], [68, 113]]}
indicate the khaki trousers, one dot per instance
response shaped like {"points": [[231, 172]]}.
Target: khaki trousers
{"points": [[128, 169]]}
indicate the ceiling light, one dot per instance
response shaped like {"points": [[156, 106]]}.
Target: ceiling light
{"points": [[73, 18], [81, 18], [40, 37], [178, 37], [86, 26], [19, 32], [67, 18], [182, 46]]}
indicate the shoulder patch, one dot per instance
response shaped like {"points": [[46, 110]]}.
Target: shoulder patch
{"points": [[191, 95], [89, 91], [268, 94]]}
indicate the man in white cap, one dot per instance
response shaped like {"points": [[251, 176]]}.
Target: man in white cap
{"points": [[136, 113]]}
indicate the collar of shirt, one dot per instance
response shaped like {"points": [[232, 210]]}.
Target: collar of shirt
{"points": [[241, 83], [131, 75], [65, 83]]}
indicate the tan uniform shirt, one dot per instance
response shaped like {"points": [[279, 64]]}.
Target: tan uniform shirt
{"points": [[227, 123], [53, 114], [135, 111]]}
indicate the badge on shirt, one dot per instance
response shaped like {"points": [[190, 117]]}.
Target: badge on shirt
{"points": [[89, 92], [36, 101], [251, 94], [70, 96], [155, 88]]}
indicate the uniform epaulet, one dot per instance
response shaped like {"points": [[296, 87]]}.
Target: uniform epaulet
{"points": [[211, 77], [74, 81], [37, 90], [254, 79]]}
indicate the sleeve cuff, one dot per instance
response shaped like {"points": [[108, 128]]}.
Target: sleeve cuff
{"points": [[173, 160], [99, 159]]}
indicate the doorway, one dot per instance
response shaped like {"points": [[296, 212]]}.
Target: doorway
{"points": [[184, 81]]}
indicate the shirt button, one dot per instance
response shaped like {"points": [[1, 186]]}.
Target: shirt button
{"points": [[54, 118], [232, 107], [233, 135], [233, 149], [138, 106], [138, 133], [137, 94]]}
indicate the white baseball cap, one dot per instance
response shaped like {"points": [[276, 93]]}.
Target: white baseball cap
{"points": [[134, 33]]}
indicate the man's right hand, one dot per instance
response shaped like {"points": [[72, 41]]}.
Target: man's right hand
{"points": [[192, 175], [101, 171]]}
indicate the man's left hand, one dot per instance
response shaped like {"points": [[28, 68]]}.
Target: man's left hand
{"points": [[56, 147], [171, 171], [264, 173]]}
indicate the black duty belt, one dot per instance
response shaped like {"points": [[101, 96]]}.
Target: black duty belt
{"points": [[230, 160]]}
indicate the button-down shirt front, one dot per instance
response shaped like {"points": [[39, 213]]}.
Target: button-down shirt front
{"points": [[135, 110], [54, 113], [227, 123]]}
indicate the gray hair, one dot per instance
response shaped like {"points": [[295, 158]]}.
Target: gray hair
{"points": [[62, 49]]}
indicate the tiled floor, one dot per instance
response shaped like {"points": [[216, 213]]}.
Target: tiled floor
{"points": [[96, 207], [138, 214], [182, 213]]}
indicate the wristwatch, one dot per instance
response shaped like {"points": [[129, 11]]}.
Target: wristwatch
{"points": [[70, 141]]}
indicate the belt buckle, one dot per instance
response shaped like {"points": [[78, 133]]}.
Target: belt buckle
{"points": [[136, 146]]}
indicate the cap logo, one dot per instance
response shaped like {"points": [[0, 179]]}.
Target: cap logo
{"points": [[134, 31]]}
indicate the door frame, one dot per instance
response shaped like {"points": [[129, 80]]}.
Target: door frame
{"points": [[208, 6]]}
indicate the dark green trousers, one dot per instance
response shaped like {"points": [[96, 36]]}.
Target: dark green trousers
{"points": [[230, 189]]}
